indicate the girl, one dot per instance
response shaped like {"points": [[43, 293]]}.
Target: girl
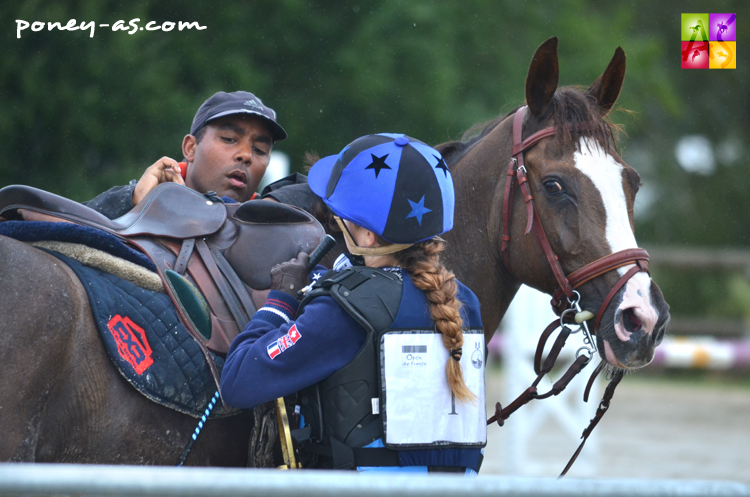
{"points": [[387, 350]]}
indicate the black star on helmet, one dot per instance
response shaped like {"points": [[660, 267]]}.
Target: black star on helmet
{"points": [[441, 164], [378, 164]]}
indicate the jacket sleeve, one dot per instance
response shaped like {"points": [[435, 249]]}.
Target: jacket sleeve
{"points": [[276, 356], [115, 202]]}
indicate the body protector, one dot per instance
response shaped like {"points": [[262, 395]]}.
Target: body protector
{"points": [[395, 389]]}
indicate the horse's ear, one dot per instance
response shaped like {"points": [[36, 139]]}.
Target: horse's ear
{"points": [[543, 76], [607, 87], [447, 149]]}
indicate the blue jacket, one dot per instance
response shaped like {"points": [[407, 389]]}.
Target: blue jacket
{"points": [[277, 355]]}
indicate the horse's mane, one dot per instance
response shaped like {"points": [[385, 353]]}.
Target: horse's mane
{"points": [[570, 105]]}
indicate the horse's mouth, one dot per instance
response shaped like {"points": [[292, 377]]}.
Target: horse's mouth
{"points": [[634, 353], [610, 356]]}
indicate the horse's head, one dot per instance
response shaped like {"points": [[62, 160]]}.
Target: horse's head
{"points": [[583, 195]]}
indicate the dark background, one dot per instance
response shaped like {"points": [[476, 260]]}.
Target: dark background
{"points": [[81, 114]]}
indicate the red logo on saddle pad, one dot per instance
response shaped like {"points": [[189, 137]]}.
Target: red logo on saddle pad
{"points": [[131, 342]]}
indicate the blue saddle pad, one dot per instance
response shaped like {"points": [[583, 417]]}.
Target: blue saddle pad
{"points": [[36, 231], [146, 341]]}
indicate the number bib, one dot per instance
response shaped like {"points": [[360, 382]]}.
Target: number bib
{"points": [[416, 404]]}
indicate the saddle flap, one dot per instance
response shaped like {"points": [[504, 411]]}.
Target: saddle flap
{"points": [[270, 213], [267, 233]]}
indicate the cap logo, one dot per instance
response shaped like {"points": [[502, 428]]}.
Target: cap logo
{"points": [[263, 110]]}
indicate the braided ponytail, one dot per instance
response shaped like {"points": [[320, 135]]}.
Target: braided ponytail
{"points": [[422, 262]]}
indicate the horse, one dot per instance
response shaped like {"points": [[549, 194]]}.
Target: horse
{"points": [[583, 194], [63, 401]]}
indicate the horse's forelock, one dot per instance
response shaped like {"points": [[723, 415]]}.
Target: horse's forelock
{"points": [[581, 116]]}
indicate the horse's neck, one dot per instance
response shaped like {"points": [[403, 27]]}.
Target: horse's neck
{"points": [[473, 248], [475, 265]]}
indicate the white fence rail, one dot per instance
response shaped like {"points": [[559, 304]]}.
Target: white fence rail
{"points": [[36, 480], [528, 315]]}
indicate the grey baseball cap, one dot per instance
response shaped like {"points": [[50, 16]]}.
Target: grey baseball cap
{"points": [[238, 102]]}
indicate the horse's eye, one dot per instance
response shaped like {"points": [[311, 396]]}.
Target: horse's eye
{"points": [[553, 187]]}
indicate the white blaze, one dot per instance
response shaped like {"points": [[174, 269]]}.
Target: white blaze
{"points": [[606, 174]]}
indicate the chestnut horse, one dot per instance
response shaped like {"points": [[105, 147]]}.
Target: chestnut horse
{"points": [[61, 400], [583, 194]]}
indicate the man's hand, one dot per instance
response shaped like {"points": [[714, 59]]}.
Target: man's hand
{"points": [[291, 276], [162, 171]]}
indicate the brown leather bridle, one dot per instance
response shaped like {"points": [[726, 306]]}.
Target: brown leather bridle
{"points": [[565, 298]]}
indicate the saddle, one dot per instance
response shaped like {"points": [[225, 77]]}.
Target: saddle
{"points": [[201, 247]]}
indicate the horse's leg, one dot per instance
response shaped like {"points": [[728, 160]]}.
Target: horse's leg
{"points": [[40, 308]]}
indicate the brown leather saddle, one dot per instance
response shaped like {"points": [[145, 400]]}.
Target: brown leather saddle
{"points": [[225, 251]]}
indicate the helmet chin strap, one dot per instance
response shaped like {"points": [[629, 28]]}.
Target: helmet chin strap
{"points": [[357, 250]]}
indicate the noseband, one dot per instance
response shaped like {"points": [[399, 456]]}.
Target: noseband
{"points": [[564, 297]]}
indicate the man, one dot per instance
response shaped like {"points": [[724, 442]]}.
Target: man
{"points": [[227, 151]]}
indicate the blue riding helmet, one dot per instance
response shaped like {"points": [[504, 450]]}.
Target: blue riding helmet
{"points": [[391, 184]]}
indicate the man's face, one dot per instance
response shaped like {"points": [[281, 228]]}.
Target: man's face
{"points": [[231, 158]]}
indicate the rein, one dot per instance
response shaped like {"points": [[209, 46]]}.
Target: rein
{"points": [[565, 299]]}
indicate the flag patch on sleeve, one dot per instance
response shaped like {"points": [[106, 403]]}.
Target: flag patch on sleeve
{"points": [[284, 342]]}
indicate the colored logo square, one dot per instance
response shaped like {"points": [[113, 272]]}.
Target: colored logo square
{"points": [[723, 55], [722, 27], [694, 27], [694, 55]]}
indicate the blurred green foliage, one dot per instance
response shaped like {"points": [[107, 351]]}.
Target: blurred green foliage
{"points": [[80, 114]]}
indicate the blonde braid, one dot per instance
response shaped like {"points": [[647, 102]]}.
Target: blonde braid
{"points": [[422, 262]]}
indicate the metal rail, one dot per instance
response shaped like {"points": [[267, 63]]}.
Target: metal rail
{"points": [[701, 258], [32, 480], [704, 352], [718, 327]]}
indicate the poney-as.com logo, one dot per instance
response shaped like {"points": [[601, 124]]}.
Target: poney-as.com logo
{"points": [[709, 41]]}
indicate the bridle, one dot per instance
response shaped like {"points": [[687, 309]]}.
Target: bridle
{"points": [[565, 299], [565, 296]]}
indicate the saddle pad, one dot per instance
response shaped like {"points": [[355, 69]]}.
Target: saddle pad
{"points": [[36, 231], [146, 341]]}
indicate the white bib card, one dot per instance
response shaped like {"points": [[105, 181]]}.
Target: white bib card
{"points": [[418, 406]]}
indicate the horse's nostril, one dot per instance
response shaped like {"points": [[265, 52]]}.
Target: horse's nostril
{"points": [[630, 321]]}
